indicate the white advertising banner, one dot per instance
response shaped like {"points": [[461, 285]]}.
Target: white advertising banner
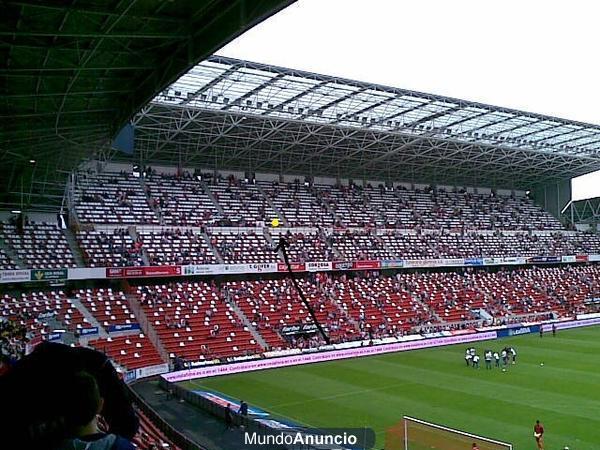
{"points": [[12, 276], [150, 371], [86, 273], [571, 324], [204, 372], [314, 266]]}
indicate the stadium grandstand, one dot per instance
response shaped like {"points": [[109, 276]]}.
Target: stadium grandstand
{"points": [[191, 215]]}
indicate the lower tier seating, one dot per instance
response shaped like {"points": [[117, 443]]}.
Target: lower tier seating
{"points": [[132, 351]]}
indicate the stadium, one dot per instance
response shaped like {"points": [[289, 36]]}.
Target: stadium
{"points": [[202, 252]]}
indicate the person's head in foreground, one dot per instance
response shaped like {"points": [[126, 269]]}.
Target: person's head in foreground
{"points": [[83, 404]]}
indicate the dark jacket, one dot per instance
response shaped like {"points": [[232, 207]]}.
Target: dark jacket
{"points": [[98, 441]]}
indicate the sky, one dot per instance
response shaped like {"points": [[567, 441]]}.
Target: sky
{"points": [[533, 55]]}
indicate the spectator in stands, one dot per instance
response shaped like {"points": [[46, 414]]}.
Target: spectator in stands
{"points": [[4, 365], [228, 417], [82, 406], [243, 409], [36, 389]]}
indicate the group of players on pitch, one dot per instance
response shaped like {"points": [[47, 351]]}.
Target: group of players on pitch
{"points": [[506, 356]]}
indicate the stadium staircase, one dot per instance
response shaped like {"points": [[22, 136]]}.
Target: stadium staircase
{"points": [[280, 214], [483, 314], [338, 305], [155, 209], [336, 252], [133, 233], [428, 308], [74, 247], [248, 325], [213, 198], [212, 248], [68, 337], [146, 326], [329, 209], [89, 317], [268, 237], [381, 242]]}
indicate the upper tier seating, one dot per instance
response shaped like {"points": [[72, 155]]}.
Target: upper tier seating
{"points": [[109, 249], [352, 206], [112, 198], [242, 202], [301, 205], [176, 247], [194, 322], [359, 245], [41, 245], [305, 246], [243, 247], [131, 351], [418, 246], [181, 200], [357, 206]]}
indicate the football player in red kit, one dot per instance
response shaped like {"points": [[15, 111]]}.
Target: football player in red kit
{"points": [[538, 433]]}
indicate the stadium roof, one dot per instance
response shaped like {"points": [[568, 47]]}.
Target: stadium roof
{"points": [[73, 73], [228, 113]]}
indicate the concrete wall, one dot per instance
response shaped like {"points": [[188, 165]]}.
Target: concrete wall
{"points": [[226, 173], [329, 181], [118, 167], [553, 197], [33, 216], [266, 177]]}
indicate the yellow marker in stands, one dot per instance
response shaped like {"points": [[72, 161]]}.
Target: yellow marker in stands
{"points": [[275, 222]]}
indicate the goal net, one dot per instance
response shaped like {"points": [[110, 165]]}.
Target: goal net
{"points": [[416, 434]]}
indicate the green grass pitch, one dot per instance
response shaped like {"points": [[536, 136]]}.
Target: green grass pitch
{"points": [[435, 385]]}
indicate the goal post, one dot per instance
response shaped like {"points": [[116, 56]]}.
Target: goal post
{"points": [[416, 434]]}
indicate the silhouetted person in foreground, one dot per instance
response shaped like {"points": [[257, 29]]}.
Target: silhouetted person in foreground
{"points": [[34, 392], [81, 421]]}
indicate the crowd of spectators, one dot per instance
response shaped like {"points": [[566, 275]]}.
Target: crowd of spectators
{"points": [[307, 245], [432, 208], [177, 246], [37, 244], [110, 249], [13, 341], [180, 199], [112, 198], [242, 201], [243, 247], [300, 203]]}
